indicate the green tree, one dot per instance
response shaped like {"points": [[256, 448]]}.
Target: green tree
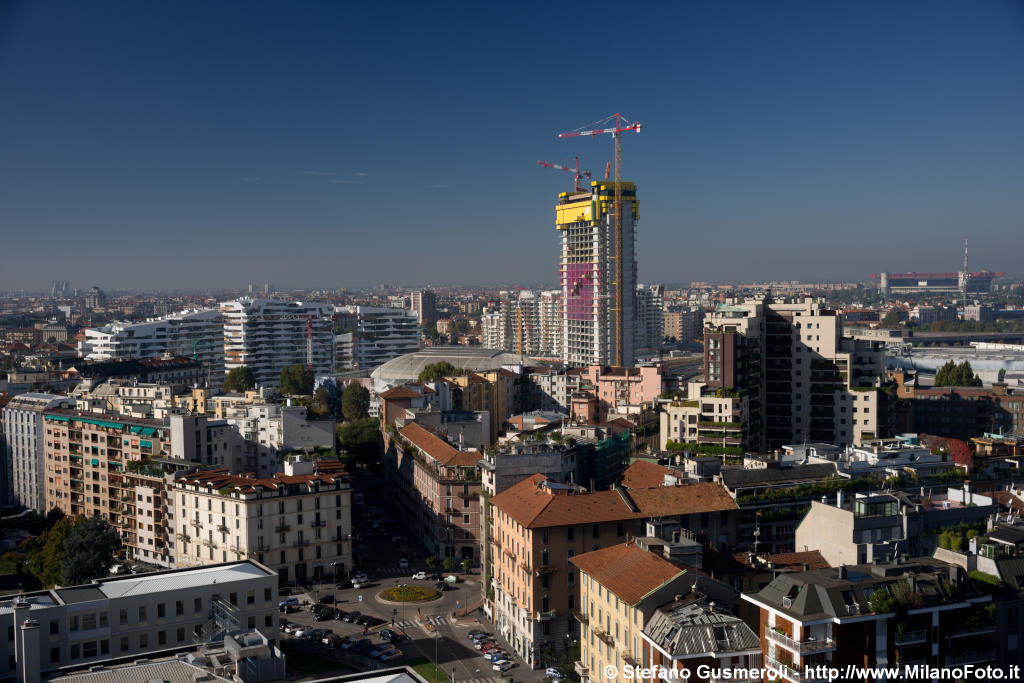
{"points": [[953, 375], [321, 404], [296, 379], [438, 370], [47, 556], [567, 667], [362, 439], [466, 564], [449, 564], [431, 561], [355, 402], [239, 379], [892, 319], [89, 550]]}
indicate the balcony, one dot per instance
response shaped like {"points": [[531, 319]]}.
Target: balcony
{"points": [[807, 646], [209, 543], [281, 528], [546, 615], [545, 569], [911, 638], [195, 522], [968, 658], [581, 670], [301, 542], [962, 631], [628, 658], [318, 522], [604, 637], [791, 673], [581, 616]]}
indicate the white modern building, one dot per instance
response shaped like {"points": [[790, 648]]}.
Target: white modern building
{"points": [[597, 273], [382, 334], [197, 333], [23, 478], [650, 316], [268, 335], [526, 322], [142, 615]]}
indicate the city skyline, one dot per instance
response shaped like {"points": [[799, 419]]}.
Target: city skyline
{"points": [[215, 147]]}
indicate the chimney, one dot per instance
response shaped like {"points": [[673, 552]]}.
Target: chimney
{"points": [[711, 607], [21, 612], [807, 567], [842, 571], [28, 662], [839, 500]]}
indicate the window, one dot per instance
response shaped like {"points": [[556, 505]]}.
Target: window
{"points": [[250, 597], [197, 605], [54, 627], [233, 599], [76, 653], [142, 613], [179, 608], [124, 643], [143, 641], [266, 595], [75, 625], [251, 623], [161, 638], [268, 621], [569, 535], [596, 531], [181, 634], [161, 611], [54, 655]]}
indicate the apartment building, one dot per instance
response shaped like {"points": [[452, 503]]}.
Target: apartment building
{"points": [[381, 334], [144, 615], [424, 305], [492, 391], [438, 488], [23, 472], [298, 522], [780, 372], [526, 322], [537, 526], [112, 466], [907, 613], [621, 390], [684, 324], [196, 334], [650, 316], [268, 335], [865, 527]]}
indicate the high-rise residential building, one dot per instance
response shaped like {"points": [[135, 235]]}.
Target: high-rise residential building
{"points": [[525, 322], [23, 476], [684, 324], [299, 523], [95, 298], [381, 334], [424, 305], [196, 334], [780, 372], [650, 316], [598, 282], [268, 335]]}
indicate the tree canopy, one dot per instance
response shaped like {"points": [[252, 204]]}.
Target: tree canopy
{"points": [[89, 549], [296, 379], [438, 370], [239, 380], [355, 402], [362, 439], [953, 375], [892, 319], [46, 559]]}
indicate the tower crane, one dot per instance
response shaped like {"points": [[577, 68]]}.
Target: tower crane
{"points": [[622, 125], [577, 173]]}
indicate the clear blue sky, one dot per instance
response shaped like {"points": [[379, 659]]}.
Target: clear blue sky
{"points": [[196, 144]]}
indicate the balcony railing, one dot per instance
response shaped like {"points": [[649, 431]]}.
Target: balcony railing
{"points": [[195, 522], [581, 670], [791, 672], [546, 615], [318, 522], [961, 631], [545, 569], [581, 617], [911, 637], [209, 543], [628, 658], [281, 528], [968, 658], [301, 542], [801, 646], [604, 636]]}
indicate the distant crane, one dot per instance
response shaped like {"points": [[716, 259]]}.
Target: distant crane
{"points": [[577, 173], [622, 125]]}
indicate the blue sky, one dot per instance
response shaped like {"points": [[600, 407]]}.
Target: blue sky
{"points": [[200, 144]]}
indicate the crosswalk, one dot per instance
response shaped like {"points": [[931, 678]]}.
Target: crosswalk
{"points": [[433, 621], [489, 679]]}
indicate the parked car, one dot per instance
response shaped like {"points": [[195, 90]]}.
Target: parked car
{"points": [[477, 633], [326, 599], [283, 625], [501, 656], [502, 666], [481, 644], [361, 645], [403, 563], [343, 584], [392, 656], [350, 617], [451, 578], [553, 673], [377, 651], [375, 621], [289, 601], [317, 633], [302, 631], [324, 614], [347, 642], [419, 576]]}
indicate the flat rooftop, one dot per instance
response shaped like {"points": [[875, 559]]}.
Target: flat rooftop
{"points": [[159, 582]]}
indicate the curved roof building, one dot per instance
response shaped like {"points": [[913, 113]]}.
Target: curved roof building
{"points": [[407, 368]]}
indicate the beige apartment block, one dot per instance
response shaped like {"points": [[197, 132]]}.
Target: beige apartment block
{"points": [[299, 523]]}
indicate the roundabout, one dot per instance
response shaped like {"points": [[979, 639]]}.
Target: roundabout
{"points": [[409, 594]]}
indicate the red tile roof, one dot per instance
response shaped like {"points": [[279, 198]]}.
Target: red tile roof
{"points": [[686, 499], [437, 448], [644, 474], [399, 392], [628, 571], [220, 478], [795, 561]]}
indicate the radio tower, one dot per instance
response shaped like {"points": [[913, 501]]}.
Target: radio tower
{"points": [[965, 275]]}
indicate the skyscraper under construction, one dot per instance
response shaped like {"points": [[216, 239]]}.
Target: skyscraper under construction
{"points": [[595, 303]]}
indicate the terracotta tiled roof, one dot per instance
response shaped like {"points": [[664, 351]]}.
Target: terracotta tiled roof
{"points": [[437, 448], [796, 561], [683, 500], [220, 478], [644, 474], [1007, 500], [628, 571], [399, 392]]}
